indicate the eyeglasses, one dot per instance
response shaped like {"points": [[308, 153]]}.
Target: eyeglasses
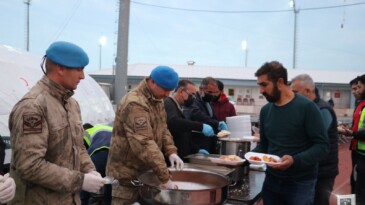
{"points": [[190, 94]]}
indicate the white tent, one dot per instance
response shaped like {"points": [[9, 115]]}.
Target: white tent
{"points": [[20, 70]]}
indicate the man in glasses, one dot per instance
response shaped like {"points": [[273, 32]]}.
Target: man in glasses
{"points": [[180, 127], [202, 111]]}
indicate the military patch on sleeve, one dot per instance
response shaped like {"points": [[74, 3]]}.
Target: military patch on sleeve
{"points": [[140, 123], [32, 123]]}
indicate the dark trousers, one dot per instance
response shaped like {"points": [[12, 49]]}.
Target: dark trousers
{"points": [[99, 159], [324, 187], [277, 191], [354, 161], [360, 182]]}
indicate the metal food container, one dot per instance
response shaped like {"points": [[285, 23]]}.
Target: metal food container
{"points": [[208, 188]]}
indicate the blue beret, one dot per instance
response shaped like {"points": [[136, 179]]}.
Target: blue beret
{"points": [[165, 77], [67, 54]]}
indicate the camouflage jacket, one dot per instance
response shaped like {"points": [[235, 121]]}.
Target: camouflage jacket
{"points": [[140, 137], [48, 155]]}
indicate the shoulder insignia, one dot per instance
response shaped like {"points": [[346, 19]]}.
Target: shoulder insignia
{"points": [[140, 123], [32, 123]]}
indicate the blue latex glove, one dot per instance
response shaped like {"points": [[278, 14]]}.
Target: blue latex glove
{"points": [[208, 130], [222, 126], [203, 151]]}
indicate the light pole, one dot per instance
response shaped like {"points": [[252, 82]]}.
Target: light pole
{"points": [[296, 11], [102, 42], [244, 47], [27, 2]]}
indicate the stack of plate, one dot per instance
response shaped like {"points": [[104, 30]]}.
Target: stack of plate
{"points": [[239, 126]]}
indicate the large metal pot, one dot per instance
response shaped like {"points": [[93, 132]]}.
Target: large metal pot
{"points": [[236, 146], [239, 147], [196, 187]]}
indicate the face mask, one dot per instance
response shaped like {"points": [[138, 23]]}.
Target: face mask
{"points": [[216, 98], [207, 97], [189, 101]]}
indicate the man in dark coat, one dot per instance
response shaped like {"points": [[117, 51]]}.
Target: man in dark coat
{"points": [[201, 111], [328, 166], [180, 127]]}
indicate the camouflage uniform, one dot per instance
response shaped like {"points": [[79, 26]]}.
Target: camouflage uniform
{"points": [[48, 155], [139, 135]]}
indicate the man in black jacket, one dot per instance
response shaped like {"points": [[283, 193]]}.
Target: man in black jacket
{"points": [[201, 111], [328, 167], [180, 127]]}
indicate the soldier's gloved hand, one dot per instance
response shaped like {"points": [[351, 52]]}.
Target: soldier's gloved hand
{"points": [[169, 185], [95, 173], [92, 183], [208, 130], [7, 188], [203, 151], [222, 126], [174, 159]]}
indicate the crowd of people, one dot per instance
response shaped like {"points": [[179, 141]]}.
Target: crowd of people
{"points": [[56, 158]]}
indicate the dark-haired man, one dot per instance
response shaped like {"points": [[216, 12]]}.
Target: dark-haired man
{"points": [[180, 127], [291, 127], [202, 111], [221, 105]]}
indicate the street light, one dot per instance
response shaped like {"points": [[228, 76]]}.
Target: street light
{"points": [[102, 42], [244, 47], [296, 11]]}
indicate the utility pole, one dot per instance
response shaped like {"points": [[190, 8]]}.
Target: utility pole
{"points": [[296, 11], [120, 85], [27, 3]]}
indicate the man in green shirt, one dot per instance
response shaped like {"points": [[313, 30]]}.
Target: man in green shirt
{"points": [[292, 128]]}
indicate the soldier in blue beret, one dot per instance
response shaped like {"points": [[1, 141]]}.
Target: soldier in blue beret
{"points": [[49, 161], [141, 139]]}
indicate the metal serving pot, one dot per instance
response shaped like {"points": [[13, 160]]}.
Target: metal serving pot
{"points": [[196, 187], [239, 147]]}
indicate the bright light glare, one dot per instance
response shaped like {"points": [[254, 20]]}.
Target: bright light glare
{"points": [[244, 45], [291, 3], [102, 40]]}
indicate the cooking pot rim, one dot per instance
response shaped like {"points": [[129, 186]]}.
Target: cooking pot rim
{"points": [[138, 182]]}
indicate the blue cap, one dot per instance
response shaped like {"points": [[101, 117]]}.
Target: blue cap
{"points": [[67, 54], [165, 77]]}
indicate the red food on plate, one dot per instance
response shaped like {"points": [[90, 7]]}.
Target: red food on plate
{"points": [[255, 158]]}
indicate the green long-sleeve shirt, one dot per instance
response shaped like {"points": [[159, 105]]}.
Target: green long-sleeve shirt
{"points": [[295, 129]]}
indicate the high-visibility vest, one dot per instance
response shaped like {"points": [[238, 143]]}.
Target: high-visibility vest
{"points": [[361, 143], [97, 138]]}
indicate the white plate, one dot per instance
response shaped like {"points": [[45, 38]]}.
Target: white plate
{"points": [[261, 155], [227, 162]]}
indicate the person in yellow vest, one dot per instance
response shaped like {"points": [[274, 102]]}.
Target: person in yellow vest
{"points": [[97, 142], [357, 146]]}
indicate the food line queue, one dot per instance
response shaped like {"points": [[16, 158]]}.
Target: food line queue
{"points": [[46, 132]]}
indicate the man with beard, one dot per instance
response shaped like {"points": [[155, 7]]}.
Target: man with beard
{"points": [[201, 111], [328, 167], [357, 146], [221, 105], [354, 88], [292, 128], [180, 127]]}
